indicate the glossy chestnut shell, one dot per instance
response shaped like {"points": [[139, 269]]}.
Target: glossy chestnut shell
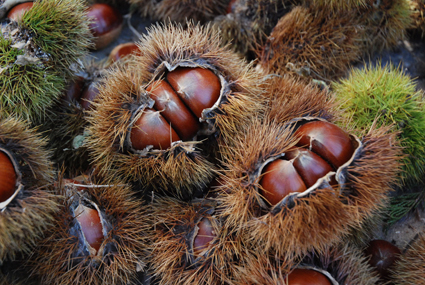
{"points": [[91, 226], [8, 177], [301, 276], [123, 50], [17, 11], [106, 24], [383, 255], [204, 236], [179, 99]]}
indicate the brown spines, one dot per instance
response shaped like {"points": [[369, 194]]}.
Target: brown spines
{"points": [[25, 216], [181, 10], [175, 260], [313, 44], [63, 257], [128, 92], [410, 269]]}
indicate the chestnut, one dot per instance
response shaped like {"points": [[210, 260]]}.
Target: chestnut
{"points": [[17, 11], [107, 24], [383, 255], [327, 140], [298, 170], [204, 237], [74, 89], [301, 276], [8, 177], [152, 129], [198, 87], [88, 95], [179, 101], [91, 226], [123, 50], [174, 110]]}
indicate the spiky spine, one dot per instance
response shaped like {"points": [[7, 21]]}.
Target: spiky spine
{"points": [[53, 260], [417, 8], [410, 269], [185, 164], [295, 230], [171, 253], [181, 11], [388, 94], [313, 44], [35, 61], [385, 23], [23, 221], [344, 263], [337, 6], [250, 23]]}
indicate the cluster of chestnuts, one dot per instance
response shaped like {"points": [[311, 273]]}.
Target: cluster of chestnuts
{"points": [[211, 149]]}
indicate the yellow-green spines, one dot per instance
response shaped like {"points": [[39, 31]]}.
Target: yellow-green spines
{"points": [[23, 219], [410, 269], [37, 54], [312, 44], [389, 96], [62, 258]]}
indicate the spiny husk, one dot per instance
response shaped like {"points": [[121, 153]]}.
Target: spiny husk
{"points": [[66, 128], [417, 8], [385, 23], [59, 258], [172, 260], [410, 268], [181, 10], [386, 95], [35, 61], [26, 217], [344, 263], [186, 165], [336, 5], [248, 26], [313, 44], [296, 229]]}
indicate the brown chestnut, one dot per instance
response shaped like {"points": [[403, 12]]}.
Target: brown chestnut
{"points": [[8, 177], [88, 95], [152, 129], [18, 11], [204, 236], [199, 88], [280, 179], [301, 276], [74, 89], [383, 255], [174, 110], [123, 50], [106, 24], [327, 140], [91, 226]]}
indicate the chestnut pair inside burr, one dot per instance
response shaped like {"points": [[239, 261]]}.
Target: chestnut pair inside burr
{"points": [[78, 91], [180, 99], [322, 148]]}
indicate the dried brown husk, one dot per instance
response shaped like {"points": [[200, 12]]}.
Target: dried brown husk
{"points": [[417, 8], [314, 44], [62, 258], [250, 22], [31, 211], [410, 268], [172, 259], [343, 264], [295, 227], [181, 10], [185, 165]]}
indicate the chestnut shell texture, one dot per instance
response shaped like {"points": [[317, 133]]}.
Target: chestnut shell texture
{"points": [[139, 98], [295, 225], [25, 216]]}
